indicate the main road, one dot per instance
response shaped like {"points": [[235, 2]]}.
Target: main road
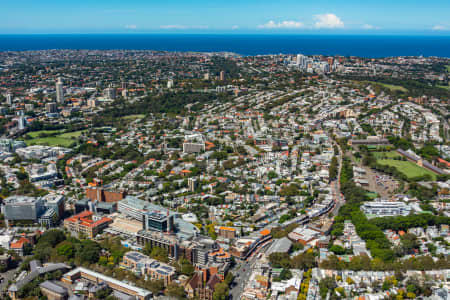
{"points": [[242, 271], [336, 184]]}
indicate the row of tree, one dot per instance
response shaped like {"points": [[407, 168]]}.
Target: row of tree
{"points": [[365, 263], [406, 222]]}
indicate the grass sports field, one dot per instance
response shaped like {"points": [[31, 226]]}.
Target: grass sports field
{"points": [[133, 117], [392, 87], [63, 139], [372, 195], [35, 134], [408, 168], [381, 155]]}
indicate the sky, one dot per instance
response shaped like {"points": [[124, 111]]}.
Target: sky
{"points": [[431, 17]]}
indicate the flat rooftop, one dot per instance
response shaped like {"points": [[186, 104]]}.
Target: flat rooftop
{"points": [[20, 200], [139, 291]]}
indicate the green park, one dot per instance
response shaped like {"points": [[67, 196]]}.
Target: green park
{"points": [[52, 138]]}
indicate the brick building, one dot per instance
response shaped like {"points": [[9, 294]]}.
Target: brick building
{"points": [[84, 224], [102, 195], [227, 232]]}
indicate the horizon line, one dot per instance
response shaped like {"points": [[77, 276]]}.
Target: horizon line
{"points": [[421, 34]]}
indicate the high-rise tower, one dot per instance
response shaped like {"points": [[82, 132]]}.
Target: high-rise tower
{"points": [[59, 91], [9, 98]]}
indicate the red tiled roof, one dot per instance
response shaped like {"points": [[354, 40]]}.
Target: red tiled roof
{"points": [[19, 244], [81, 215]]}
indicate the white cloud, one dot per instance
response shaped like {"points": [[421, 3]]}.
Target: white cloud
{"points": [[282, 25], [439, 27], [173, 27], [178, 27], [131, 26], [234, 27], [369, 27], [328, 21]]}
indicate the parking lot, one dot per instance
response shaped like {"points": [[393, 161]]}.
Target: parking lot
{"points": [[382, 184]]}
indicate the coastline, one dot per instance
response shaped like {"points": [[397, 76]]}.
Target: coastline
{"points": [[375, 46]]}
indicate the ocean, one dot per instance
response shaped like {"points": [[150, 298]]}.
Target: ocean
{"points": [[244, 44]]}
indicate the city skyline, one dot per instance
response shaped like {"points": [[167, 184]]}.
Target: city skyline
{"points": [[258, 17]]}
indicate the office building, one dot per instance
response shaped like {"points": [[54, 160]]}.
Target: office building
{"points": [[330, 63], [9, 145], [60, 91], [51, 107], [20, 208], [158, 221], [41, 152], [43, 210], [92, 102], [222, 75], [380, 208], [55, 202], [193, 147], [161, 240], [202, 252], [143, 265], [48, 218], [109, 93], [82, 205], [142, 210], [156, 218], [302, 61], [29, 107], [133, 207], [38, 172]]}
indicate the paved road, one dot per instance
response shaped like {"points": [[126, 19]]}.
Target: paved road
{"points": [[242, 272]]}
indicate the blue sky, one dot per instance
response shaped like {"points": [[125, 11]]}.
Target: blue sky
{"points": [[227, 16]]}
